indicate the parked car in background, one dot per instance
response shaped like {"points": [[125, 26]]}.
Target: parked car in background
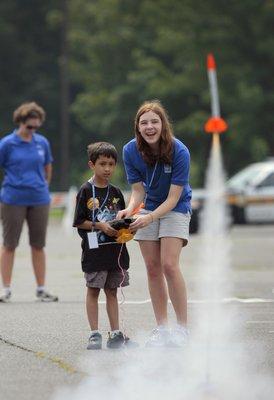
{"points": [[250, 196]]}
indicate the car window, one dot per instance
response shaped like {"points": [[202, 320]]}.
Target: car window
{"points": [[244, 177], [268, 181]]}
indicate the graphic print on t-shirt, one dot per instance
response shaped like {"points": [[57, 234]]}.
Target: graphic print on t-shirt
{"points": [[106, 256], [108, 213]]}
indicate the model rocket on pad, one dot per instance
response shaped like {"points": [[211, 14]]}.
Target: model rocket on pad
{"points": [[215, 124]]}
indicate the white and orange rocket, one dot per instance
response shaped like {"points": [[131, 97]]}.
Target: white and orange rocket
{"points": [[215, 124]]}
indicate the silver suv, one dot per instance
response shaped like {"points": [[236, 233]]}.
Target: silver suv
{"points": [[250, 195]]}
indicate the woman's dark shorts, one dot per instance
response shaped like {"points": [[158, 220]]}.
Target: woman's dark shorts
{"points": [[13, 218]]}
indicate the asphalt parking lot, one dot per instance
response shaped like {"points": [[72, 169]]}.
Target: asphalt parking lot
{"points": [[42, 346]]}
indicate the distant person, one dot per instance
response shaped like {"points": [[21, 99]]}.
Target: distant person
{"points": [[25, 157], [104, 261], [157, 167]]}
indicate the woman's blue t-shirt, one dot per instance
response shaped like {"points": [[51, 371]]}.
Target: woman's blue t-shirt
{"points": [[24, 163], [165, 175]]}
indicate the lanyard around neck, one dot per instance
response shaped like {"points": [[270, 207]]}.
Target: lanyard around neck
{"points": [[93, 200], [148, 186]]}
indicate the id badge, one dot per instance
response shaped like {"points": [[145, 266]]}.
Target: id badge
{"points": [[92, 240]]}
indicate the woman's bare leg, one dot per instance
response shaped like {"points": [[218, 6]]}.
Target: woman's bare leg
{"points": [[7, 261], [156, 280], [39, 265], [170, 253]]}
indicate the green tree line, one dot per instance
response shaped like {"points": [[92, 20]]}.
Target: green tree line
{"points": [[114, 54]]}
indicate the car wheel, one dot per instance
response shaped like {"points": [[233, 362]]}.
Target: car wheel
{"points": [[238, 215], [194, 222]]}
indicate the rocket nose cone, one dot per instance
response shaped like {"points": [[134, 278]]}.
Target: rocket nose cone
{"points": [[211, 61]]}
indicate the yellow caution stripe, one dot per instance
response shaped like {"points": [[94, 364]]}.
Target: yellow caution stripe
{"points": [[240, 200], [57, 361]]}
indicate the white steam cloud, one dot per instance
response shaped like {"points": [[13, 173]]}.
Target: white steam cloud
{"points": [[215, 365]]}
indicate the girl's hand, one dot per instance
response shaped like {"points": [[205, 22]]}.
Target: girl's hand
{"points": [[122, 214], [141, 222], [107, 229]]}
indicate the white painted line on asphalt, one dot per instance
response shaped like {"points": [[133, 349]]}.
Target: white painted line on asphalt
{"points": [[233, 300], [259, 322], [138, 302], [225, 300], [249, 300]]}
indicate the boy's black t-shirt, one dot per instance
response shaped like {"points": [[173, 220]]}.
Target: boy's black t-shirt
{"points": [[106, 256]]}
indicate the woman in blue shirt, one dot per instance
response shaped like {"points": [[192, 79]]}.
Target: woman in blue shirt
{"points": [[157, 167], [25, 157]]}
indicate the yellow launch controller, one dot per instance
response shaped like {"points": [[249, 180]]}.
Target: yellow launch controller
{"points": [[122, 226]]}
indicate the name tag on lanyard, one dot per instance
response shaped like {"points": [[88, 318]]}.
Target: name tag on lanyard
{"points": [[92, 240]]}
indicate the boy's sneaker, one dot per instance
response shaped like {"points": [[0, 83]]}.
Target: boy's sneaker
{"points": [[95, 341], [116, 340], [159, 337], [5, 297], [178, 336], [42, 295]]}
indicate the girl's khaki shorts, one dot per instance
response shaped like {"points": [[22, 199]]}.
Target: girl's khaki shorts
{"points": [[172, 224]]}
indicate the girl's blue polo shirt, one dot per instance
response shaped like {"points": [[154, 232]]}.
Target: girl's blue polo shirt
{"points": [[24, 163], [165, 175]]}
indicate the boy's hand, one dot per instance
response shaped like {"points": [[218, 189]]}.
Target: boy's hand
{"points": [[107, 229]]}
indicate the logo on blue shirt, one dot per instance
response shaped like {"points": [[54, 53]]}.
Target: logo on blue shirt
{"points": [[40, 150]]}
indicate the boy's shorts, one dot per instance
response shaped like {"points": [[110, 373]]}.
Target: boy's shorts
{"points": [[172, 224], [107, 279]]}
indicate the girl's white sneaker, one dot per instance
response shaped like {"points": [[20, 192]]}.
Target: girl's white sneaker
{"points": [[159, 337], [179, 336]]}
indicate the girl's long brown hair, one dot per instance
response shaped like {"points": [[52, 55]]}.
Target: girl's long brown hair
{"points": [[166, 140]]}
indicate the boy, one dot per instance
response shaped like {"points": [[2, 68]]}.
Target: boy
{"points": [[104, 261]]}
